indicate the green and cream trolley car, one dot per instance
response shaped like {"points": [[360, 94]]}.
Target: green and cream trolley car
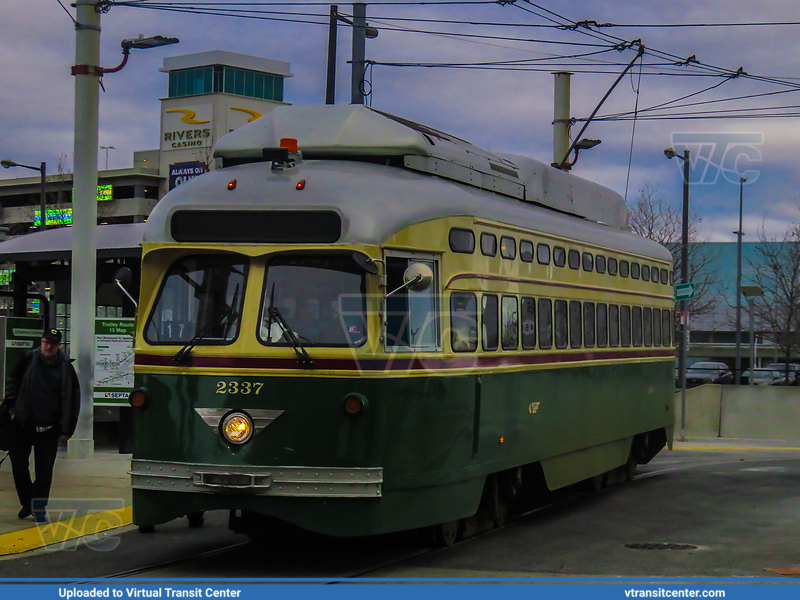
{"points": [[358, 324]]}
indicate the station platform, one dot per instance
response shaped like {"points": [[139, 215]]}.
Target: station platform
{"points": [[88, 496]]}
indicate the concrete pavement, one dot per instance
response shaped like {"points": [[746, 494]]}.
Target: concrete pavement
{"points": [[88, 496]]}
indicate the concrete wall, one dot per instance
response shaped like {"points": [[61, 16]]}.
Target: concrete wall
{"points": [[760, 412]]}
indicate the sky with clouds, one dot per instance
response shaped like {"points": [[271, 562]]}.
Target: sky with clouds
{"points": [[505, 107]]}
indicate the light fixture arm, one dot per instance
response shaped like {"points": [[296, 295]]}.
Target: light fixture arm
{"points": [[564, 164]]}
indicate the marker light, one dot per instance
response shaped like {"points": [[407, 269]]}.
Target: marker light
{"points": [[301, 184], [289, 143], [502, 439], [232, 184], [354, 404], [237, 427], [139, 398]]}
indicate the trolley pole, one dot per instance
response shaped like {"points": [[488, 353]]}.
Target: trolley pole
{"points": [[84, 240]]}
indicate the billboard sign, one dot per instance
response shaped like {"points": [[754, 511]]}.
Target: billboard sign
{"points": [[182, 172]]}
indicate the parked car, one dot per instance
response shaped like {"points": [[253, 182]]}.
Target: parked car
{"points": [[762, 376], [794, 372], [708, 372]]}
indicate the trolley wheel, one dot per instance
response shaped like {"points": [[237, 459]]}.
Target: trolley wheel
{"points": [[147, 528], [195, 519], [597, 482], [501, 515], [447, 534], [630, 468]]}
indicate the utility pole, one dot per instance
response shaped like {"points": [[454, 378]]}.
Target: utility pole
{"points": [[561, 119], [330, 82], [84, 237], [359, 51]]}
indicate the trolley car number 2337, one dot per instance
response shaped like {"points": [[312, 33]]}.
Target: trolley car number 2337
{"points": [[239, 387]]}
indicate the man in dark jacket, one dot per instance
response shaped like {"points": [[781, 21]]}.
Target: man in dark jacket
{"points": [[44, 396]]}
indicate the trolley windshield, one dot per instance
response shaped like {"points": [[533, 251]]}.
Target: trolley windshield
{"points": [[320, 298], [200, 301]]}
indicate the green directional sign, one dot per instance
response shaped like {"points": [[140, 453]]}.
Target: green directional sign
{"points": [[684, 291]]}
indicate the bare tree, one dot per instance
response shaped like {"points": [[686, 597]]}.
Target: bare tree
{"points": [[776, 270], [651, 216]]}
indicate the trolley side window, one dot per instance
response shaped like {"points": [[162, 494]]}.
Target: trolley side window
{"points": [[634, 270], [602, 325], [199, 302], [462, 240], [559, 256], [612, 266], [656, 327], [665, 328], [510, 312], [588, 324], [528, 314], [463, 322], [575, 337], [574, 259], [526, 251], [320, 298], [489, 322], [543, 254], [613, 325], [624, 268], [588, 261], [545, 324], [488, 244], [600, 263], [412, 318], [561, 323], [647, 326], [637, 325], [625, 325], [508, 247]]}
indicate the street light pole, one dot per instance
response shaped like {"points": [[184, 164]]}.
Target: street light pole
{"points": [[670, 153], [739, 235], [87, 72], [107, 148], [84, 245]]}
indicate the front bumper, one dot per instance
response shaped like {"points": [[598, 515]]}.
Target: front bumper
{"points": [[299, 482]]}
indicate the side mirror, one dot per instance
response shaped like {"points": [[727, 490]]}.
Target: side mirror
{"points": [[418, 277], [365, 262], [123, 278]]}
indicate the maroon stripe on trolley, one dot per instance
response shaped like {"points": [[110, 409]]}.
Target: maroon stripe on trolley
{"points": [[400, 363]]}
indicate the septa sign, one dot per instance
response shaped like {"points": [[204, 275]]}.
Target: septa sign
{"points": [[182, 172]]}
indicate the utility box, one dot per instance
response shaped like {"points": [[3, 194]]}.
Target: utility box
{"points": [[18, 335]]}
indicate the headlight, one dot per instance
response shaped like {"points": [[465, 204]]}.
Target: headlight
{"points": [[236, 427]]}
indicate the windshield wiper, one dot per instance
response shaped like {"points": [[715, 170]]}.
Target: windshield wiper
{"points": [[273, 314], [226, 313]]}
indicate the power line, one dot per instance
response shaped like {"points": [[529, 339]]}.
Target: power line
{"points": [[687, 25]]}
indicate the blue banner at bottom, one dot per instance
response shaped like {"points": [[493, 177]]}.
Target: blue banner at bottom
{"points": [[465, 589]]}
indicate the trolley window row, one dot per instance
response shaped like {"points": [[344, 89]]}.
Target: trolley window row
{"points": [[506, 320], [462, 241]]}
